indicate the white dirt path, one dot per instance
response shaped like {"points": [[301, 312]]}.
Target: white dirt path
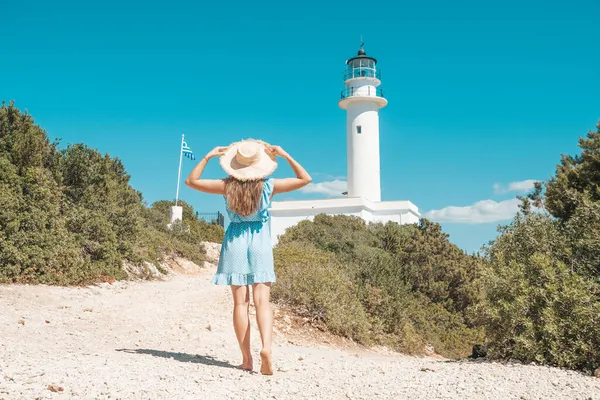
{"points": [[173, 339]]}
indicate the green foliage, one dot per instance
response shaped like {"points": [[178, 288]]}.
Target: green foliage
{"points": [[542, 290], [71, 216], [35, 245], [183, 239], [577, 178], [406, 286], [582, 231], [536, 307], [200, 230], [311, 281], [102, 210]]}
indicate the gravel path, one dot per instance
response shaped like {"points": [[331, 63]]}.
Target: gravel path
{"points": [[174, 340]]}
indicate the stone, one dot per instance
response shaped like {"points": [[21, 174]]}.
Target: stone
{"points": [[151, 269], [479, 351], [213, 252]]}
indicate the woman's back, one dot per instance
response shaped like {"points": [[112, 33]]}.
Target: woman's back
{"points": [[246, 255], [262, 212]]}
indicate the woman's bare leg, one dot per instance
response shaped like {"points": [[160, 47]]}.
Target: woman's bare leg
{"points": [[241, 322], [261, 293]]}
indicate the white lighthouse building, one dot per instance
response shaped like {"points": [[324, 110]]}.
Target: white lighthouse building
{"points": [[362, 98]]}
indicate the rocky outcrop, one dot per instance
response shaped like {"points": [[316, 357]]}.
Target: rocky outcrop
{"points": [[213, 251], [174, 264], [145, 270]]}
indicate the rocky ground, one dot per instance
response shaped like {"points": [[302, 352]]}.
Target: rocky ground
{"points": [[173, 339]]}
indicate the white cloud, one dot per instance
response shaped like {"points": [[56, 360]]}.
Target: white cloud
{"points": [[479, 213], [521, 187], [329, 177], [333, 188]]}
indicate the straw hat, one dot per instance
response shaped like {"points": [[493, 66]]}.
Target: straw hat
{"points": [[248, 160]]}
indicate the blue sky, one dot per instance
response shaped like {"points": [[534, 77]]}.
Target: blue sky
{"points": [[483, 96]]}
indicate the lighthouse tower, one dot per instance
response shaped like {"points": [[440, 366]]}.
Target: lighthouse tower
{"points": [[362, 98]]}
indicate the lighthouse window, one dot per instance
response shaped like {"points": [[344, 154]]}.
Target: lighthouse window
{"points": [[358, 129]]}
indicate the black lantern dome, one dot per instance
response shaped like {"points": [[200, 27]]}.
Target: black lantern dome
{"points": [[361, 66]]}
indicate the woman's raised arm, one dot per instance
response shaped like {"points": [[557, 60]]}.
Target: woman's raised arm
{"points": [[290, 184], [213, 186]]}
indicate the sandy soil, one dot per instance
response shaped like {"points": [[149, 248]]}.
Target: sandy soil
{"points": [[173, 339]]}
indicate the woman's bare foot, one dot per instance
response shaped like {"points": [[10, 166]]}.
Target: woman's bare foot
{"points": [[246, 365], [266, 364]]}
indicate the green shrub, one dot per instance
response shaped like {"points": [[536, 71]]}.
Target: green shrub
{"points": [[199, 229], [542, 290], [583, 233], [71, 217], [311, 281], [413, 287], [182, 239], [536, 307], [541, 311]]}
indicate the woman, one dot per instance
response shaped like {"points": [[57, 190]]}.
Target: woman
{"points": [[247, 254]]}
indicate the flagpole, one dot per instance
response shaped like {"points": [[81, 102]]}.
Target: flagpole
{"points": [[179, 173]]}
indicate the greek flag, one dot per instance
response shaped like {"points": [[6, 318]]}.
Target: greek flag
{"points": [[188, 152]]}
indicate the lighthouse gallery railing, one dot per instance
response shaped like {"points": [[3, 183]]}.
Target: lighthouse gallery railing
{"points": [[370, 91]]}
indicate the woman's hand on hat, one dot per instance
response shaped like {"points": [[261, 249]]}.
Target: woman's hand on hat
{"points": [[277, 151], [216, 152]]}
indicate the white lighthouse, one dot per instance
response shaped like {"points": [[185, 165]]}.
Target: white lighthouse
{"points": [[362, 98]]}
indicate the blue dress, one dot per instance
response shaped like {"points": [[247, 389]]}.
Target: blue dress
{"points": [[247, 254]]}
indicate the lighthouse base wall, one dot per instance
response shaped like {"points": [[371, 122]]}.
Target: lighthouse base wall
{"points": [[285, 214]]}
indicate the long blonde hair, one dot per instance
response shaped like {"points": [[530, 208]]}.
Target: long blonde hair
{"points": [[243, 197]]}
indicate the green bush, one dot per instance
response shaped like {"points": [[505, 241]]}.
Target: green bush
{"points": [[199, 229], [311, 281], [542, 290], [182, 239], [537, 308], [412, 286], [71, 217]]}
